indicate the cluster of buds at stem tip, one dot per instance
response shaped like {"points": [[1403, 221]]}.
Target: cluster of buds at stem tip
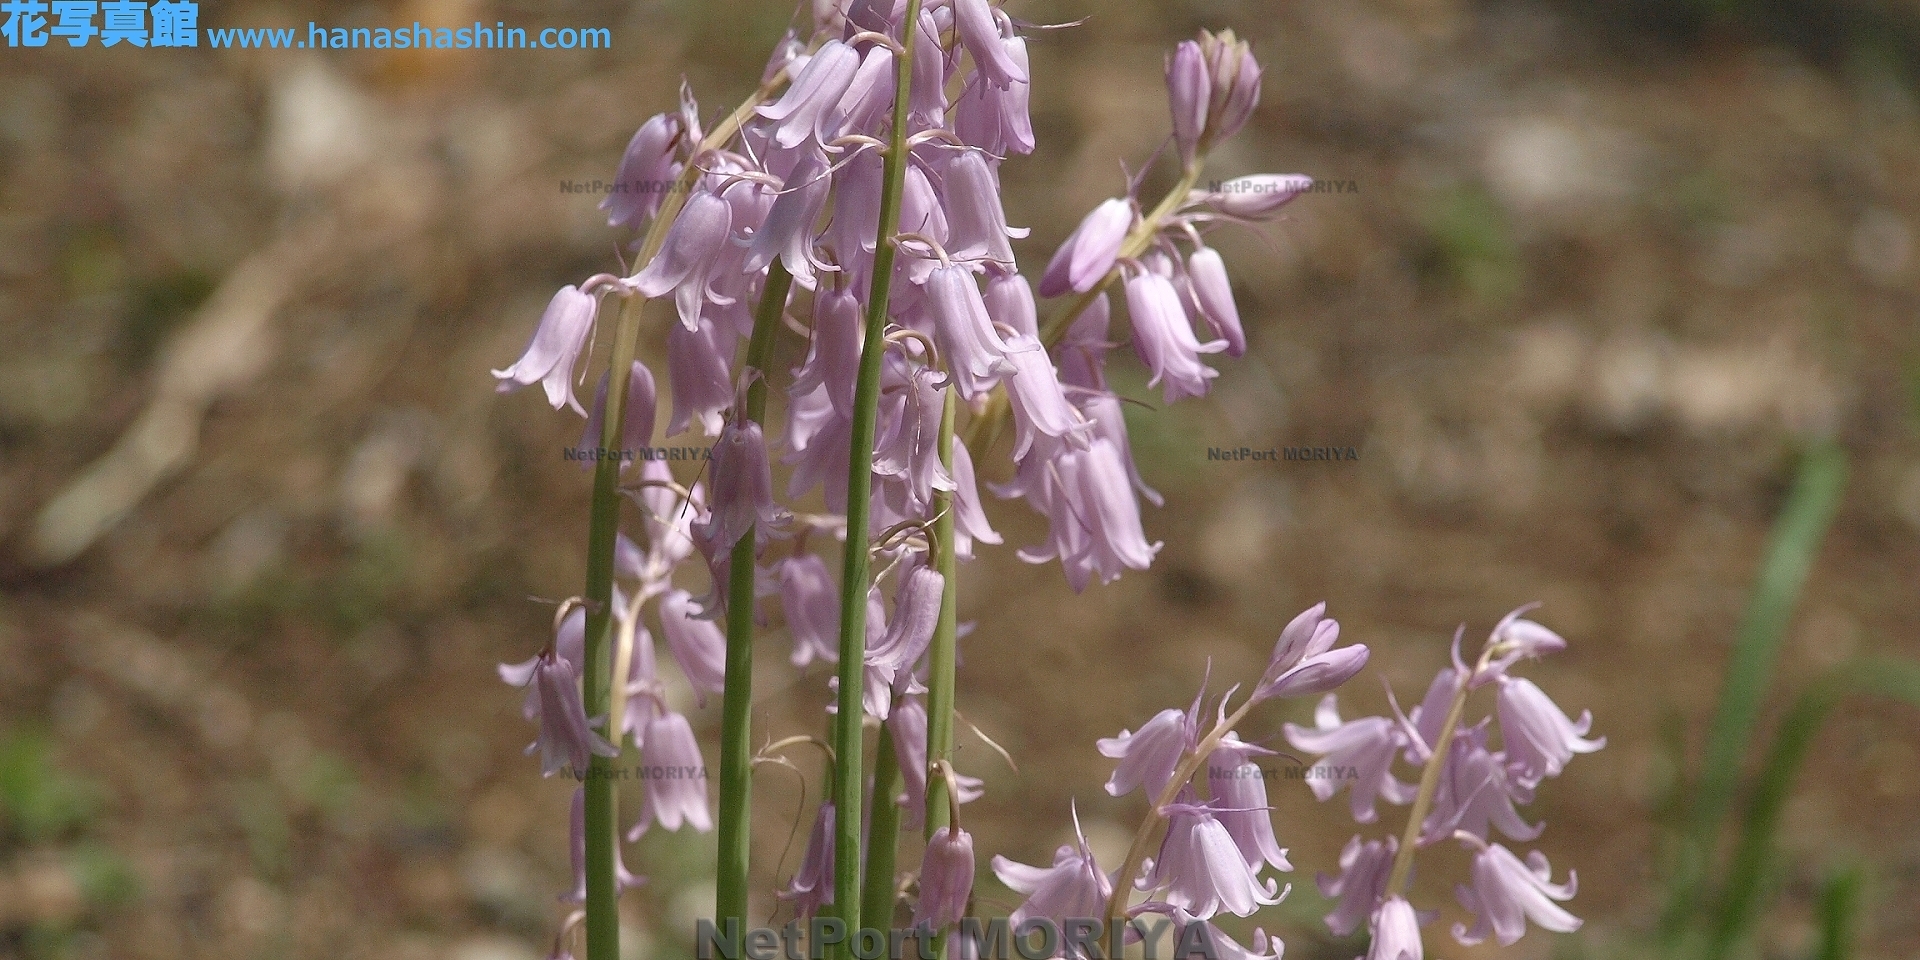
{"points": [[1213, 84], [1468, 793]]}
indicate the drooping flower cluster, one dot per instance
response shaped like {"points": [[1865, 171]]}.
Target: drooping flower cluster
{"points": [[677, 794], [1215, 847], [1479, 790], [796, 191]]}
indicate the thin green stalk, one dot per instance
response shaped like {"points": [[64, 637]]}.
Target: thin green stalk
{"points": [[883, 837], [940, 654], [1790, 553], [602, 907], [603, 915], [854, 570], [1137, 852], [736, 709], [1430, 779]]}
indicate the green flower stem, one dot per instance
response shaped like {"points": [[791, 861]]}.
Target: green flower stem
{"points": [[1137, 853], [883, 839], [736, 708], [847, 730], [603, 896], [941, 654], [1430, 779]]}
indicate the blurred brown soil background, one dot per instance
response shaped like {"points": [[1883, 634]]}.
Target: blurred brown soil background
{"points": [[1598, 272]]}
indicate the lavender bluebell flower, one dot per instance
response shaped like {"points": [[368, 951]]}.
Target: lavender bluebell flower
{"points": [[1188, 94], [1239, 794], [1010, 303], [998, 119], [1367, 745], [975, 354], [1202, 869], [1233, 83], [698, 646], [833, 357], [976, 221], [927, 105], [1256, 197], [906, 458], [969, 520], [645, 695], [1538, 737], [1507, 893], [814, 94], [687, 256], [636, 431], [946, 878], [1396, 932], [1364, 868], [868, 97], [569, 643], [1432, 712], [1083, 351], [565, 737], [1090, 251], [1163, 337], [1515, 638], [786, 232], [1213, 293], [921, 212], [1304, 660], [676, 792], [1094, 520], [811, 886], [811, 601], [1074, 886], [1477, 794], [907, 720], [555, 348], [1148, 755], [699, 361], [741, 494], [890, 661], [645, 167], [980, 32], [1040, 407]]}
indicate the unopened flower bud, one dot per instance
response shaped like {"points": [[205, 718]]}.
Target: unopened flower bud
{"points": [[946, 878]]}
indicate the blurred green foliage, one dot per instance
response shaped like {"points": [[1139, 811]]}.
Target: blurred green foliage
{"points": [[1474, 244], [1714, 901], [38, 803]]}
